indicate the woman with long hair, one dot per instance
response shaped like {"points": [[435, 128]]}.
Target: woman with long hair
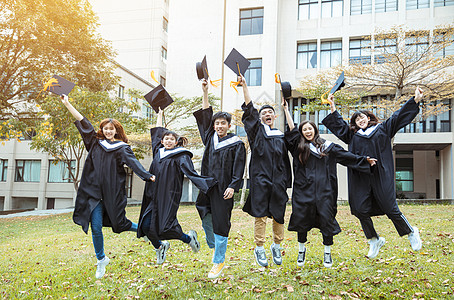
{"points": [[101, 197], [375, 194], [314, 197]]}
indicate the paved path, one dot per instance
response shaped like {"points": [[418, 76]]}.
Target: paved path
{"points": [[44, 212]]}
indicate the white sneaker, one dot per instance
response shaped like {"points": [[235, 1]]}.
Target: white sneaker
{"points": [[161, 252], [327, 260], [101, 267], [301, 258], [194, 243], [260, 257], [375, 245], [216, 270], [415, 239], [276, 253]]}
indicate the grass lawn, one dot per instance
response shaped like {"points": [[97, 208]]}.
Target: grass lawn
{"points": [[51, 257]]}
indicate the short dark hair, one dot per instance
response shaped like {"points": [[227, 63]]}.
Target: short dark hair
{"points": [[265, 107], [222, 115]]}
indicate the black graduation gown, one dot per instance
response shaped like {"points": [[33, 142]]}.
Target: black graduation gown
{"points": [[269, 168], [162, 198], [373, 194], [223, 159], [314, 196], [104, 178]]}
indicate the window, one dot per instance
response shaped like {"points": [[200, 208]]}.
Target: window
{"points": [[441, 39], [360, 7], [385, 5], [359, 51], [253, 74], [330, 54], [383, 48], [240, 131], [251, 21], [128, 183], [28, 170], [404, 172], [443, 3], [121, 92], [58, 171], [308, 9], [164, 53], [417, 4], [162, 81], [3, 169], [165, 24], [306, 56], [147, 111], [332, 8], [416, 45]]}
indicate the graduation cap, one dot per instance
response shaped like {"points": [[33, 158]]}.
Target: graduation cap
{"points": [[237, 62], [285, 86], [58, 85], [158, 98], [202, 69], [340, 82]]}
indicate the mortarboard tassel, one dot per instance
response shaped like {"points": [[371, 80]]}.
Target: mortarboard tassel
{"points": [[49, 83], [277, 78], [214, 83], [234, 84], [154, 78]]}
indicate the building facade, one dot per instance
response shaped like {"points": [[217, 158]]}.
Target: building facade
{"points": [[297, 38]]}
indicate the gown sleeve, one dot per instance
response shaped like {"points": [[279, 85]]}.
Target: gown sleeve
{"points": [[129, 159], [203, 183], [251, 121], [350, 160], [292, 138], [156, 137], [87, 132], [203, 118], [238, 167], [338, 126], [401, 117]]}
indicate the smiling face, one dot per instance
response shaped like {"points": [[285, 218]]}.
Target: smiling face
{"points": [[169, 142], [109, 131], [362, 121], [267, 117], [221, 126], [308, 132]]}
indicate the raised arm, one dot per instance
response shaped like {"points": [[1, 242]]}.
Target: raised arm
{"points": [[205, 103], [247, 97], [332, 106], [72, 110], [159, 118], [288, 116]]}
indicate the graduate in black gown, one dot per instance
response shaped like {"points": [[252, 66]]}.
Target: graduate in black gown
{"points": [[101, 197], [270, 176], [375, 194], [314, 196], [224, 159], [161, 198]]}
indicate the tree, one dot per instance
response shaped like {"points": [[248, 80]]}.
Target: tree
{"points": [[401, 60], [39, 38], [57, 135]]}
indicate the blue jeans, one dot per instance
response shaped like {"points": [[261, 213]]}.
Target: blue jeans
{"points": [[96, 230], [216, 241]]}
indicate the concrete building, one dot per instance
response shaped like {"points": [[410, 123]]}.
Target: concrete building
{"points": [[296, 38]]}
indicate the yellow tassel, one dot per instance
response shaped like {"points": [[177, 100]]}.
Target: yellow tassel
{"points": [[215, 83], [154, 78], [234, 84], [324, 98], [277, 78], [50, 83]]}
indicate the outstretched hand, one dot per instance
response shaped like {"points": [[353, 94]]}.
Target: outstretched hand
{"points": [[331, 102], [205, 85], [153, 178], [371, 161], [284, 103], [242, 80], [418, 94], [64, 99]]}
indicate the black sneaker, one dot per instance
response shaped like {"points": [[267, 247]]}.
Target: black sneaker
{"points": [[301, 258], [327, 260], [194, 243]]}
